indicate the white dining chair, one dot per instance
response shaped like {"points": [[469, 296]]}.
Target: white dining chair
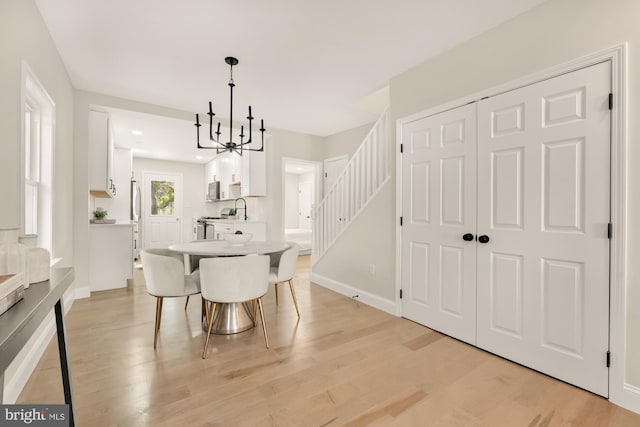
{"points": [[284, 270], [164, 276], [227, 280]]}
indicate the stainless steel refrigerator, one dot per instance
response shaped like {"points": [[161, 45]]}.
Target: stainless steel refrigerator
{"points": [[135, 213]]}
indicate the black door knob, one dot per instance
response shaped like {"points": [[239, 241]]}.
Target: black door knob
{"points": [[483, 239], [467, 237]]}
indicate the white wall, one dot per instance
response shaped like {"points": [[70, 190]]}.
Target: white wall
{"points": [[23, 35], [346, 142]]}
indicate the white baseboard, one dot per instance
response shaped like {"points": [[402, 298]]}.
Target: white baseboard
{"points": [[628, 398], [27, 359], [350, 291], [83, 292]]}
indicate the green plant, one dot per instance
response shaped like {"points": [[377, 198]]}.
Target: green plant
{"points": [[99, 214]]}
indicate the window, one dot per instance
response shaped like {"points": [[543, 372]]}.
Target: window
{"points": [[162, 198], [37, 165]]}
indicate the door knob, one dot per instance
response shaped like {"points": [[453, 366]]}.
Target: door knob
{"points": [[467, 237], [483, 239]]}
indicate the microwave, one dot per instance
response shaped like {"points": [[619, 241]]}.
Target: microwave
{"points": [[213, 191]]}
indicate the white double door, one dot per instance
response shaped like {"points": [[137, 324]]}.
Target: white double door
{"points": [[505, 237]]}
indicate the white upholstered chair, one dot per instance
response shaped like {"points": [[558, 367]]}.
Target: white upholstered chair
{"points": [[165, 278], [234, 280], [284, 270]]}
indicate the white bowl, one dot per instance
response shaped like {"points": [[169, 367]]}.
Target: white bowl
{"points": [[238, 239]]}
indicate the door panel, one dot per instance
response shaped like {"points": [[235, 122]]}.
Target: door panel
{"points": [[439, 202], [162, 201], [543, 199]]}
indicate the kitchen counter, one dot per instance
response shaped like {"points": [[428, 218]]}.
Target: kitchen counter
{"points": [[117, 224]]}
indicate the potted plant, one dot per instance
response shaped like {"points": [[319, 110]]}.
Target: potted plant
{"points": [[99, 214]]}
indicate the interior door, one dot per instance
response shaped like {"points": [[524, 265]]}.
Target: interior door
{"points": [[543, 203], [439, 208], [162, 201], [332, 169], [304, 204]]}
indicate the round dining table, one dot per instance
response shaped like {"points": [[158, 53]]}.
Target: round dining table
{"points": [[229, 318]]}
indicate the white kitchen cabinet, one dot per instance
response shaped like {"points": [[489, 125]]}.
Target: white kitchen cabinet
{"points": [[110, 256], [254, 174], [119, 206], [101, 146], [247, 172]]}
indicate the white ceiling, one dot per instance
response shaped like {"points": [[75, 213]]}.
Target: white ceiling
{"points": [[306, 66]]}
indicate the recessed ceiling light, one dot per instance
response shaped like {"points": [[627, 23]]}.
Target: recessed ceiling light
{"points": [[136, 132], [199, 157], [298, 169]]}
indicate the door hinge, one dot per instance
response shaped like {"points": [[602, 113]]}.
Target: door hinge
{"points": [[402, 148], [608, 359], [325, 174], [609, 231], [400, 221], [400, 293], [610, 101]]}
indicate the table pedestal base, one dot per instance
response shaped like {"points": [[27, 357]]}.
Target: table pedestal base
{"points": [[232, 318]]}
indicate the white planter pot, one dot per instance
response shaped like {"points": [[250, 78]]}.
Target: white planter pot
{"points": [[14, 256], [39, 262]]}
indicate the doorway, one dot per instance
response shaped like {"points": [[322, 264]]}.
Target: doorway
{"points": [[300, 192], [332, 169]]}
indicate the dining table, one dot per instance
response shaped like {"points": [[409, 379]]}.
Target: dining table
{"points": [[230, 318]]}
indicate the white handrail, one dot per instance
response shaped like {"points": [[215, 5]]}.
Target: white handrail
{"points": [[365, 173]]}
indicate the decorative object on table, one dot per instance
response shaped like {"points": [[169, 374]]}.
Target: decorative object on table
{"points": [[237, 239], [11, 290], [39, 262], [230, 145], [14, 256], [100, 217]]}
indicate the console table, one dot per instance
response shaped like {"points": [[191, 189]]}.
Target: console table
{"points": [[19, 323]]}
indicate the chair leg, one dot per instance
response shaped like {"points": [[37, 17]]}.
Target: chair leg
{"points": [[206, 343], [158, 319], [264, 325], [255, 313], [203, 310], [186, 303], [275, 285], [293, 294]]}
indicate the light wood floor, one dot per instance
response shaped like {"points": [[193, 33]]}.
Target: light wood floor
{"points": [[343, 363]]}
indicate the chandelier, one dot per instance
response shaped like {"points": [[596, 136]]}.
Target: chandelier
{"points": [[237, 146]]}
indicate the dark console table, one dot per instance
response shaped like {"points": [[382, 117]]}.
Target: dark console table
{"points": [[19, 323]]}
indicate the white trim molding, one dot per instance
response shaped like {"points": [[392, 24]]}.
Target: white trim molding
{"points": [[620, 393], [372, 300]]}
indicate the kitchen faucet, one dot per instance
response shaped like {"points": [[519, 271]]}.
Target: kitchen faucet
{"points": [[235, 207]]}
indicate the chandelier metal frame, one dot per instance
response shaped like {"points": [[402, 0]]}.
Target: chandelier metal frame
{"points": [[231, 146]]}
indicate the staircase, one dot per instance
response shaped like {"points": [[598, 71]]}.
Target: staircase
{"points": [[364, 175]]}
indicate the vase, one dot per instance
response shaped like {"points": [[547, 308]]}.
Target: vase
{"points": [[39, 259], [14, 256]]}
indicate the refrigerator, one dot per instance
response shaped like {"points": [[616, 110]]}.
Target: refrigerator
{"points": [[135, 213]]}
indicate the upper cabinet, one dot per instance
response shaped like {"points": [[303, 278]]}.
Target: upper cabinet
{"points": [[254, 174], [247, 172], [101, 148]]}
